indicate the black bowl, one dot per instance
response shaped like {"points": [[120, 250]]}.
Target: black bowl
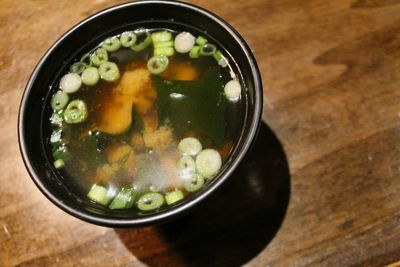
{"points": [[88, 33]]}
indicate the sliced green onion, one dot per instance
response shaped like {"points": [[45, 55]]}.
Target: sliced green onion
{"points": [[189, 146], [99, 194], [157, 64], [85, 60], [164, 44], [208, 162], [184, 42], [128, 39], [59, 100], [109, 71], [208, 50], [161, 36], [194, 183], [233, 90], [150, 201], [77, 67], [76, 112], [111, 44], [201, 40], [218, 55], [99, 57], [173, 197], [145, 43], [90, 76], [222, 61], [194, 52], [124, 199], [186, 167], [166, 51], [59, 163], [70, 83], [56, 119]]}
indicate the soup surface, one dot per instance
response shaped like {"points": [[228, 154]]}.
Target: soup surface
{"points": [[145, 119]]}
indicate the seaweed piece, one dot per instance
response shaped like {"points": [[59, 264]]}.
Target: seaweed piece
{"points": [[197, 105]]}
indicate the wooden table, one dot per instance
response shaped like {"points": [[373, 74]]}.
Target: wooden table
{"points": [[321, 187]]}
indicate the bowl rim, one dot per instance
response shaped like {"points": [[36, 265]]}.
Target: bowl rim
{"points": [[186, 206]]}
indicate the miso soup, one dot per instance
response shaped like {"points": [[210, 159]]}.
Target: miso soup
{"points": [[145, 119]]}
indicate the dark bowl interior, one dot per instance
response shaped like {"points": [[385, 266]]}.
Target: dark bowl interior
{"points": [[86, 35]]}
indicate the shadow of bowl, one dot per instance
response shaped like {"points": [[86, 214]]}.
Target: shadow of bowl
{"points": [[233, 226]]}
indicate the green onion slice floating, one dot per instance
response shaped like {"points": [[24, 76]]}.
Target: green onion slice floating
{"points": [[111, 44], [85, 60], [128, 39], [189, 146], [208, 50], [150, 201], [166, 51], [208, 162], [90, 76], [99, 57], [109, 71], [143, 44], [157, 64], [194, 183], [201, 40], [163, 44], [184, 42], [70, 83], [99, 194], [186, 167], [76, 112], [161, 36], [124, 199], [222, 61], [173, 197], [59, 163], [59, 100], [77, 67], [194, 52]]}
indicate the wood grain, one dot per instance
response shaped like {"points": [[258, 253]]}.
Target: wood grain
{"points": [[321, 186]]}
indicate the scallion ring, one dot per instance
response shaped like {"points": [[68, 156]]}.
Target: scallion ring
{"points": [[109, 71], [150, 201], [128, 39], [111, 44], [194, 183], [59, 100], [143, 44], [85, 60], [157, 64], [99, 57], [90, 76], [77, 67], [76, 112], [173, 197], [208, 50]]}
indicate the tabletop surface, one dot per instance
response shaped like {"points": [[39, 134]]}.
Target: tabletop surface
{"points": [[321, 186]]}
